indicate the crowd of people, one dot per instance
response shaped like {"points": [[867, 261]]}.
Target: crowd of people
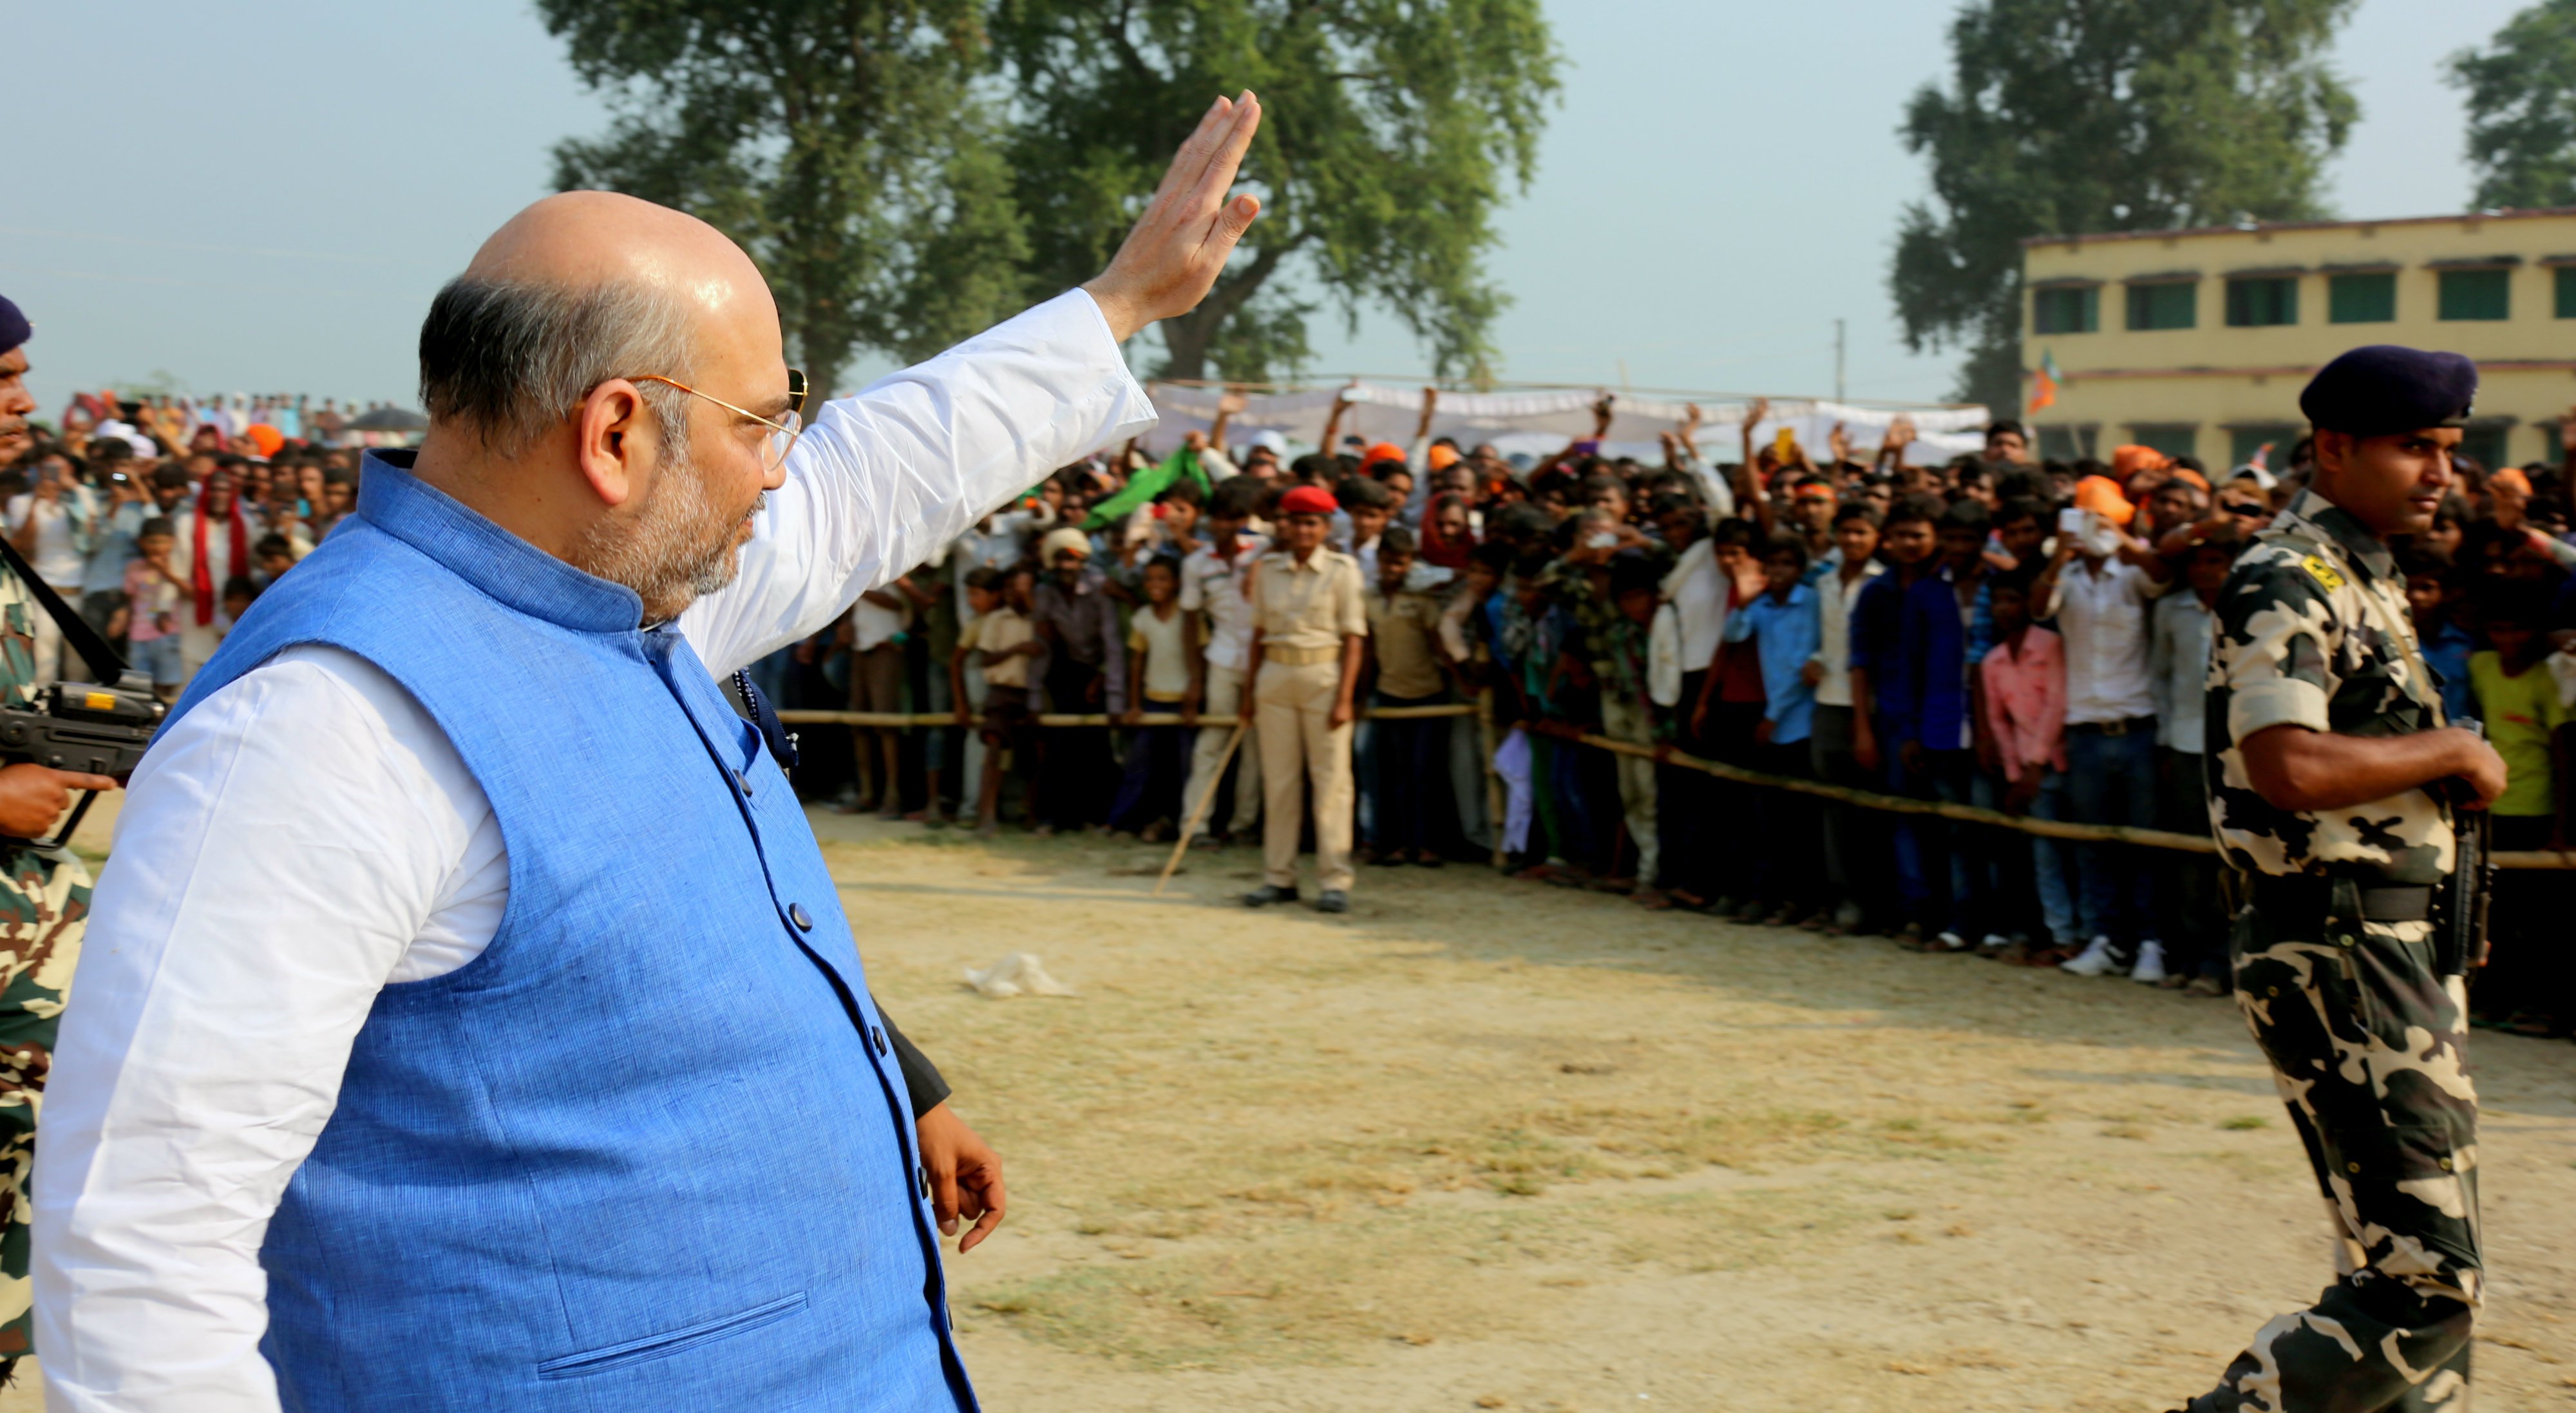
{"points": [[2023, 635], [160, 519], [1997, 630]]}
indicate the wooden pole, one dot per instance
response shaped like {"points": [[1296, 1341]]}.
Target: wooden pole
{"points": [[1199, 811]]}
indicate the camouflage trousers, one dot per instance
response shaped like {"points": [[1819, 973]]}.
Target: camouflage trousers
{"points": [[2366, 1045], [44, 907]]}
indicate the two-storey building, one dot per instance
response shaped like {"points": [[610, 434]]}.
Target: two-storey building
{"points": [[2198, 341]]}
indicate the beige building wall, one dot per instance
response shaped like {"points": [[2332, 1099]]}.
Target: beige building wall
{"points": [[2212, 388]]}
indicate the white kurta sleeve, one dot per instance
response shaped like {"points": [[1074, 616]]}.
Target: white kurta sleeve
{"points": [[887, 476], [279, 852]]}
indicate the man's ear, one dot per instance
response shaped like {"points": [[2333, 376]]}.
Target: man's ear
{"points": [[612, 444], [2333, 449]]}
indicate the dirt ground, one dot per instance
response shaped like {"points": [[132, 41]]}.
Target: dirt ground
{"points": [[1484, 1144]]}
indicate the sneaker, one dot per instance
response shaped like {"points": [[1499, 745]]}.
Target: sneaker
{"points": [[1269, 893], [1948, 942], [1332, 900], [1848, 916], [1993, 944], [2095, 961], [2150, 968]]}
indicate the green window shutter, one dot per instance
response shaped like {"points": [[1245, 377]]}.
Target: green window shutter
{"points": [[2243, 442], [2262, 302], [2361, 299], [2066, 311], [2566, 290], [2485, 442], [2477, 294], [2173, 439], [2164, 305]]}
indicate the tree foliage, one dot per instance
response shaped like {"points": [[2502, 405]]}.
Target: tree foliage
{"points": [[1391, 132], [839, 141], [2522, 108], [2103, 115]]}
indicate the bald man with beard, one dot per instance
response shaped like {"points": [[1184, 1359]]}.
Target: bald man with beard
{"points": [[469, 1020]]}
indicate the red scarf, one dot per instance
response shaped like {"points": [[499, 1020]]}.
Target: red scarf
{"points": [[201, 577]]}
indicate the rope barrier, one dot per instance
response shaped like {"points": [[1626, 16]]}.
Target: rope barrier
{"points": [[1865, 799]]}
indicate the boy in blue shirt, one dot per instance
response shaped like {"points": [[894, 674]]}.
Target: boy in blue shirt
{"points": [[1781, 625]]}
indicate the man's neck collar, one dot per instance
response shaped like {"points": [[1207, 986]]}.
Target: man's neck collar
{"points": [[2340, 525]]}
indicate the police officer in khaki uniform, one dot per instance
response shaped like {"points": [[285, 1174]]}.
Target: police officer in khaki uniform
{"points": [[2332, 776], [1309, 628]]}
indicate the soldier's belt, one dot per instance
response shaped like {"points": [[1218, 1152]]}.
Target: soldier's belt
{"points": [[2311, 896]]}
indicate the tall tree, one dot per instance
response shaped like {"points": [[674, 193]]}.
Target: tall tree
{"points": [[2522, 108], [1394, 129], [839, 141], [2103, 115]]}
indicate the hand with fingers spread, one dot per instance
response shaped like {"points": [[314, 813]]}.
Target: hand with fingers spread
{"points": [[1179, 246]]}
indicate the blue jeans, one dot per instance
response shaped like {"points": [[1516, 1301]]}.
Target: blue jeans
{"points": [[2048, 860], [2111, 779]]}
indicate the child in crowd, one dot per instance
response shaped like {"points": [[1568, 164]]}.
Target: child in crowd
{"points": [[1780, 624], [1162, 677], [2435, 598], [1850, 835], [2527, 975], [153, 593], [2022, 697], [1885, 693], [999, 642], [1411, 757]]}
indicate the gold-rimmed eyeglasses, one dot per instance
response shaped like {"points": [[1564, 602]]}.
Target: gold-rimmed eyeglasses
{"points": [[783, 430]]}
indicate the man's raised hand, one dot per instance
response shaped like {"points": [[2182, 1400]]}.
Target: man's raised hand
{"points": [[1179, 246]]}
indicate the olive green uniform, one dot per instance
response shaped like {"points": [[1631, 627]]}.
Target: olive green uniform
{"points": [[2337, 975]]}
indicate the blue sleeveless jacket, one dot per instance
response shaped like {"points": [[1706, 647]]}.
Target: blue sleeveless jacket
{"points": [[649, 1150]]}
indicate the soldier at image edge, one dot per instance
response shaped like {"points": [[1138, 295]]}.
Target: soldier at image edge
{"points": [[2332, 777]]}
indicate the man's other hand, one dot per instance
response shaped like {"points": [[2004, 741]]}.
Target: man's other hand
{"points": [[32, 797], [1179, 246], [965, 1176]]}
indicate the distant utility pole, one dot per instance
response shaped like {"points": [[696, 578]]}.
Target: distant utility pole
{"points": [[1838, 360]]}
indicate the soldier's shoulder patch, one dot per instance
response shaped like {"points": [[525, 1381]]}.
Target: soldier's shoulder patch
{"points": [[2322, 572]]}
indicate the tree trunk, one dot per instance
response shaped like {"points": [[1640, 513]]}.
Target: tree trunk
{"points": [[1187, 339]]}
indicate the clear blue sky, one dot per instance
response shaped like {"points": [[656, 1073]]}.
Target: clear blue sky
{"points": [[264, 197]]}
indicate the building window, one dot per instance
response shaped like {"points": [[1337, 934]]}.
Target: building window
{"points": [[2484, 442], [2262, 302], [2066, 310], [2243, 442], [2361, 299], [2566, 275], [2477, 294], [2171, 438], [2167, 305], [2066, 443]]}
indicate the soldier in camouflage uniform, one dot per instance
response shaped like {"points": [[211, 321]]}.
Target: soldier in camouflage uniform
{"points": [[44, 894], [2329, 771]]}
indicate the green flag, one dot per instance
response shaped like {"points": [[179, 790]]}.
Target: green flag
{"points": [[1148, 483]]}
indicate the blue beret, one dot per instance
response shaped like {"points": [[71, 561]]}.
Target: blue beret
{"points": [[2383, 388], [14, 327]]}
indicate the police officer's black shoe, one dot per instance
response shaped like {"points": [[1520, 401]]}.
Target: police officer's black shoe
{"points": [[1269, 893], [1333, 900]]}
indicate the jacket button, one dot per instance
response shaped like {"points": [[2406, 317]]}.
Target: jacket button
{"points": [[877, 1034], [796, 914], [742, 782]]}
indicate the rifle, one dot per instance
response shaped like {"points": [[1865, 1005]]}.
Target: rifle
{"points": [[2460, 945], [79, 727]]}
